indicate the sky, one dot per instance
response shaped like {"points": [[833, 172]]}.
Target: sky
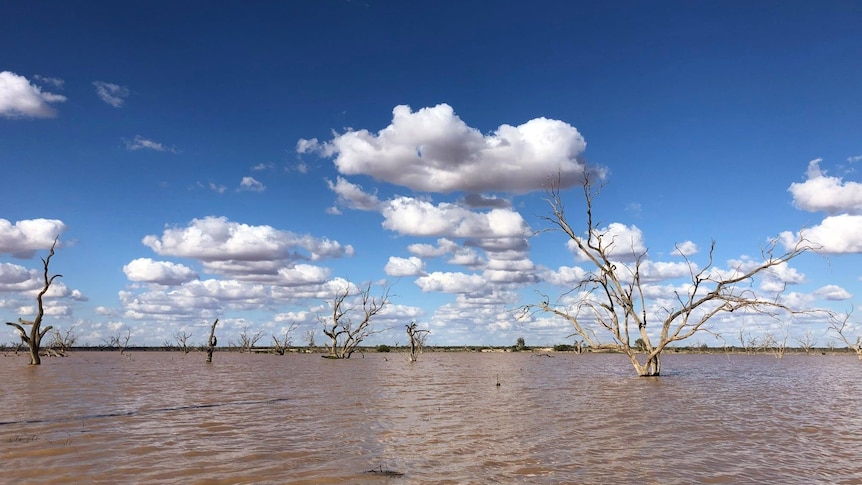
{"points": [[248, 160]]}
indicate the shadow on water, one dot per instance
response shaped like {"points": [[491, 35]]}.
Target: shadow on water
{"points": [[142, 412]]}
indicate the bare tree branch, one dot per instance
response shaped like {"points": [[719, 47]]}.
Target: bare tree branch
{"points": [[345, 335], [613, 294]]}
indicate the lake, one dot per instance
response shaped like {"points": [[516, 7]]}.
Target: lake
{"points": [[165, 417]]}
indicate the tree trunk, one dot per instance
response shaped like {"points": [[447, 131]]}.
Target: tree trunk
{"points": [[211, 342], [650, 368], [35, 340]]}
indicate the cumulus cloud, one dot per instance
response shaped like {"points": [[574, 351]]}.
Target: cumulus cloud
{"points": [[566, 276], [193, 299], [24, 238], [218, 239], [433, 150], [141, 143], [833, 293], [451, 282], [302, 275], [19, 98], [111, 94], [399, 267], [409, 216], [834, 235], [619, 241], [511, 275], [660, 270], [15, 278], [820, 192], [686, 248], [352, 196], [145, 270], [250, 184]]}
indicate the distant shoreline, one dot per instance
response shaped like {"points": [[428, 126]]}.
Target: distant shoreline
{"points": [[468, 348]]}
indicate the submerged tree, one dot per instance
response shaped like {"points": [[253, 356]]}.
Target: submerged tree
{"points": [[182, 339], [33, 338], [344, 333], [613, 295], [247, 340], [839, 326], [212, 341], [286, 340], [417, 340], [60, 342]]}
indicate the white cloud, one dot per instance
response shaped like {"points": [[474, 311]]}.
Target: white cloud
{"points": [[833, 293], [828, 194], [218, 239], [111, 94], [146, 270], [399, 267], [618, 240], [835, 234], [660, 270], [776, 278], [15, 278], [429, 251], [565, 276], [24, 238], [686, 248], [303, 274], [433, 150], [21, 99], [250, 184], [352, 196], [451, 282], [105, 311], [415, 217], [141, 143]]}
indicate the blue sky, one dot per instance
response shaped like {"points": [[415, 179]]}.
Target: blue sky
{"points": [[245, 160]]}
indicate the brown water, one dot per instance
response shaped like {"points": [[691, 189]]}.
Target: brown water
{"points": [[99, 417]]}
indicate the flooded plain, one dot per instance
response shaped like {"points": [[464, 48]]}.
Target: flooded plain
{"points": [[164, 417]]}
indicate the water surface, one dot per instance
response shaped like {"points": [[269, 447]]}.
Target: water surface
{"points": [[164, 417]]}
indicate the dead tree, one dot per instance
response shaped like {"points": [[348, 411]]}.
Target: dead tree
{"points": [[247, 340], [182, 339], [612, 295], [417, 340], [345, 335], [806, 341], [211, 342], [309, 338], [281, 345], [61, 342], [118, 341], [33, 338], [839, 326], [777, 344]]}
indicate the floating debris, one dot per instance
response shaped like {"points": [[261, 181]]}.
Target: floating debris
{"points": [[386, 473]]}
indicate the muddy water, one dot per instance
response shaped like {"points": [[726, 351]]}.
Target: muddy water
{"points": [[99, 417]]}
